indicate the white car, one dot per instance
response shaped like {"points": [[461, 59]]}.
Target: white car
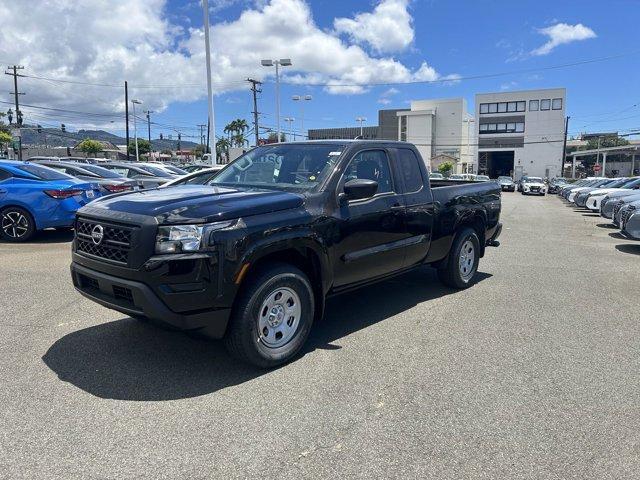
{"points": [[596, 196], [602, 182], [534, 186]]}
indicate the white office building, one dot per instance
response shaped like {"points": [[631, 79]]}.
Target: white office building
{"points": [[521, 133], [440, 128]]}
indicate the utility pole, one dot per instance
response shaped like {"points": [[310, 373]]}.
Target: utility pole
{"points": [[564, 146], [202, 126], [148, 112], [126, 114], [16, 93], [255, 91]]}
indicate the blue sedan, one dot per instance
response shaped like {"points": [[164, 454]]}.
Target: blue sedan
{"points": [[34, 197]]}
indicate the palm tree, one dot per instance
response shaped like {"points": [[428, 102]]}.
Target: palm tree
{"points": [[222, 148], [239, 140], [229, 129]]}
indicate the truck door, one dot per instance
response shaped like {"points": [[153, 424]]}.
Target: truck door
{"points": [[418, 201], [371, 230]]}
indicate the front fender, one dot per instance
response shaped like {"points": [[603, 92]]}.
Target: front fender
{"points": [[301, 241]]}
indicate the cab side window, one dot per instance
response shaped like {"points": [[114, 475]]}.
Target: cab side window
{"points": [[371, 165]]}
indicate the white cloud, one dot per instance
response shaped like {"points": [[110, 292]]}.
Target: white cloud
{"points": [[562, 33], [389, 28], [109, 41]]}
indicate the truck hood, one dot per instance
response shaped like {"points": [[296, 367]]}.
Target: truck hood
{"points": [[199, 203]]}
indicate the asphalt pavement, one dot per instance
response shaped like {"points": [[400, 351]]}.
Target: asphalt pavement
{"points": [[532, 373]]}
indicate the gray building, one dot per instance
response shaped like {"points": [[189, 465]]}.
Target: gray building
{"points": [[521, 133], [387, 129]]}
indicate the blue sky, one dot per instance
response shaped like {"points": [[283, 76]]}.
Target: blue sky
{"points": [[157, 46]]}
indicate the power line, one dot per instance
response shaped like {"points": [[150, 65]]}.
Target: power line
{"points": [[468, 77]]}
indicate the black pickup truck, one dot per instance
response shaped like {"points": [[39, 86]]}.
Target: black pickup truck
{"points": [[251, 256]]}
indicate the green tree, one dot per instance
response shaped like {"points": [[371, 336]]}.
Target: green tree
{"points": [[445, 168], [5, 140], [90, 147], [273, 137], [144, 147], [197, 151], [235, 131], [222, 148], [606, 142]]}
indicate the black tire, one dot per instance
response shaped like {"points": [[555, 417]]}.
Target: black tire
{"points": [[243, 340], [16, 225], [450, 273]]}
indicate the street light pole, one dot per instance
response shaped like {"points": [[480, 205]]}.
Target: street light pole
{"points": [[211, 129], [301, 98], [290, 121], [361, 120], [283, 62], [135, 126]]}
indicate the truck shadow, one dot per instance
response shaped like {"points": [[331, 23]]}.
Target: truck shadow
{"points": [[136, 361]]}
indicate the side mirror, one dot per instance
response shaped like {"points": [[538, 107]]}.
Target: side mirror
{"points": [[359, 188]]}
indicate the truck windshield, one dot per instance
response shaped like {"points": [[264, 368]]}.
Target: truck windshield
{"points": [[284, 166]]}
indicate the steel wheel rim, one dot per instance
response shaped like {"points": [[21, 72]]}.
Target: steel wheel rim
{"points": [[466, 261], [14, 224], [279, 317]]}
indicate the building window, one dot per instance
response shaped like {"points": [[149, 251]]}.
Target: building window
{"points": [[502, 107], [521, 106], [513, 127], [493, 108], [403, 128], [545, 104], [511, 106], [557, 104], [484, 108], [534, 105]]}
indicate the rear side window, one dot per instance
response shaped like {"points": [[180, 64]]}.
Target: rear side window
{"points": [[4, 174], [409, 170], [43, 173]]}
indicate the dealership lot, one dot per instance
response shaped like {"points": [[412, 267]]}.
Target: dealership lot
{"points": [[531, 373]]}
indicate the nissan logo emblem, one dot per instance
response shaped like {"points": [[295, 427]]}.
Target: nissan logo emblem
{"points": [[97, 234]]}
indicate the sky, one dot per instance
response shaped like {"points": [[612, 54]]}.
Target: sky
{"points": [[352, 56]]}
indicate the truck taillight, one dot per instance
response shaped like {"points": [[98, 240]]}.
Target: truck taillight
{"points": [[62, 194], [111, 188]]}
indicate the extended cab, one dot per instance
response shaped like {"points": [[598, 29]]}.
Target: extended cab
{"points": [[251, 256]]}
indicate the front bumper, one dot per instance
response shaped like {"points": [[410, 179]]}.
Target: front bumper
{"points": [[508, 188], [630, 226], [135, 298]]}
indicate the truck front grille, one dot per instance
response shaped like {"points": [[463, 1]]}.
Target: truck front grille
{"points": [[114, 246]]}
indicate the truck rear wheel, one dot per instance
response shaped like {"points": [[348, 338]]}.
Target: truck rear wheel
{"points": [[272, 317], [459, 271]]}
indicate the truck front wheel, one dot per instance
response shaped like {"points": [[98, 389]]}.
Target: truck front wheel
{"points": [[460, 269], [272, 316]]}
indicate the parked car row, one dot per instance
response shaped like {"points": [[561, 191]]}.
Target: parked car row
{"points": [[617, 199], [45, 192]]}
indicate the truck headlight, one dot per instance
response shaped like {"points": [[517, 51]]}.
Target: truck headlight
{"points": [[185, 238]]}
